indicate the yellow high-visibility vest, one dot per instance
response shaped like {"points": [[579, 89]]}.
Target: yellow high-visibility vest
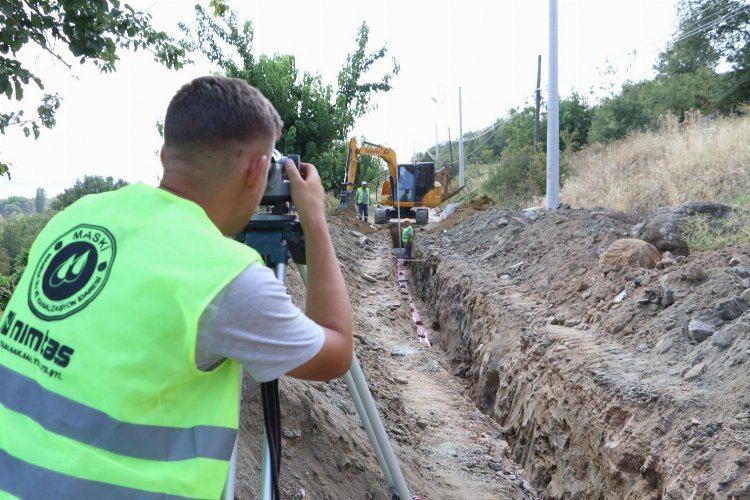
{"points": [[99, 393], [407, 234], [363, 196]]}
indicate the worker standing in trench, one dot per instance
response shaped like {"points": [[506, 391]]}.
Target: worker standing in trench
{"points": [[120, 349], [407, 237], [363, 200]]}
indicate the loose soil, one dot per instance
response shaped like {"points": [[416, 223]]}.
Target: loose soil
{"points": [[550, 375]]}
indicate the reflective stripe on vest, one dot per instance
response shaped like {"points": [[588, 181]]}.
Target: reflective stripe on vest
{"points": [[23, 480], [98, 385], [407, 234], [67, 418]]}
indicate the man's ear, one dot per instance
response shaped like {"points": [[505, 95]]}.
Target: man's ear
{"points": [[256, 169]]}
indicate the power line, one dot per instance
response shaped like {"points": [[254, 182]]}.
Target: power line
{"points": [[709, 25], [728, 9]]}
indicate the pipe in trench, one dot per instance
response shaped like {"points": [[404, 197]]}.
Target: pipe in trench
{"points": [[403, 285]]}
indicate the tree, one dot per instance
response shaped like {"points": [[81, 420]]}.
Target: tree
{"points": [[16, 237], [16, 205], [621, 114], [18, 234], [701, 90], [711, 32], [575, 122], [317, 119], [91, 30], [91, 184], [520, 176], [40, 200]]}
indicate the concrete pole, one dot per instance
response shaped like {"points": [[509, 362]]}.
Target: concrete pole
{"points": [[460, 142], [553, 116], [437, 145]]}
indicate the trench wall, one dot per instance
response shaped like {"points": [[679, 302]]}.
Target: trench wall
{"points": [[578, 433]]}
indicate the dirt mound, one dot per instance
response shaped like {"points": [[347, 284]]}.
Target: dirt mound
{"points": [[481, 203], [627, 383]]}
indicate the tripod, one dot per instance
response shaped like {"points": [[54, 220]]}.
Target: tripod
{"points": [[276, 236]]}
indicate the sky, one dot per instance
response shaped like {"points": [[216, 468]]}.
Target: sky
{"points": [[488, 49]]}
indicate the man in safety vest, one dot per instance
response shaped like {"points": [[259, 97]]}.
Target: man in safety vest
{"points": [[363, 201], [407, 237], [122, 344]]}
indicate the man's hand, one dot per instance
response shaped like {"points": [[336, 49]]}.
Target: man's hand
{"points": [[327, 301], [307, 192]]}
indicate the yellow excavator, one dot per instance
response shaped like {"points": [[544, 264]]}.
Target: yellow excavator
{"points": [[409, 191]]}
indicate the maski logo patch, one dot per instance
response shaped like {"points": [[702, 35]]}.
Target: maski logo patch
{"points": [[71, 272]]}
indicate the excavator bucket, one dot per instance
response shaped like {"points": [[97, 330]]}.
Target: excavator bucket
{"points": [[346, 201]]}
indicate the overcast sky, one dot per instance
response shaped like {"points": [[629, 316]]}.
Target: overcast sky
{"points": [[106, 124]]}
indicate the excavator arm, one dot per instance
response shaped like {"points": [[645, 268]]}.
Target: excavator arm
{"points": [[409, 191], [346, 198]]}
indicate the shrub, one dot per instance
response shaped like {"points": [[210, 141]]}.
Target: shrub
{"points": [[520, 176], [705, 233]]}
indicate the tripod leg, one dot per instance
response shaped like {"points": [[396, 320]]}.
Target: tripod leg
{"points": [[266, 489], [349, 381], [368, 414], [381, 438]]}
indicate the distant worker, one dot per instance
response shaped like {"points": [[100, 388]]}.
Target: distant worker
{"points": [[363, 200], [122, 343], [407, 237]]}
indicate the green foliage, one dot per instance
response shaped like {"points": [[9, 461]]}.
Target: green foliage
{"points": [[705, 233], [317, 120], [620, 115], [16, 236], [91, 30], [520, 177], [517, 130], [702, 90], [712, 32], [91, 184], [40, 200], [575, 123], [16, 205], [19, 232]]}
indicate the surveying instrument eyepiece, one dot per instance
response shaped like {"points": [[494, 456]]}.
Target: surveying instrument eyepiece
{"points": [[277, 235]]}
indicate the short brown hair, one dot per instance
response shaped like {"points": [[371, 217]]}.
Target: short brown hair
{"points": [[214, 109]]}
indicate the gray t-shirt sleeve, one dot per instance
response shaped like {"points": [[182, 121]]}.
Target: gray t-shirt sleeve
{"points": [[254, 321]]}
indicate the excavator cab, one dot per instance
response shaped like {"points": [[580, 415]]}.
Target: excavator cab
{"points": [[414, 181]]}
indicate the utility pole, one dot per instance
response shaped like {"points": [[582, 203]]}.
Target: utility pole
{"points": [[437, 144], [460, 142], [537, 133], [450, 145], [553, 115]]}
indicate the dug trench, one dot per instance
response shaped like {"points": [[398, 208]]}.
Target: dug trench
{"points": [[550, 374], [612, 376]]}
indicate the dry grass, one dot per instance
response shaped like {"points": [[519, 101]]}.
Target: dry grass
{"points": [[701, 160]]}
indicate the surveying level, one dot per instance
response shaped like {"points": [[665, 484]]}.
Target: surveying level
{"points": [[276, 236]]}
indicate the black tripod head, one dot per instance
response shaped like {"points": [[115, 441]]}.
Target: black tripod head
{"points": [[275, 236]]}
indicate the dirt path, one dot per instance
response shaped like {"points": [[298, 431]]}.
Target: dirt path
{"points": [[458, 451]]}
